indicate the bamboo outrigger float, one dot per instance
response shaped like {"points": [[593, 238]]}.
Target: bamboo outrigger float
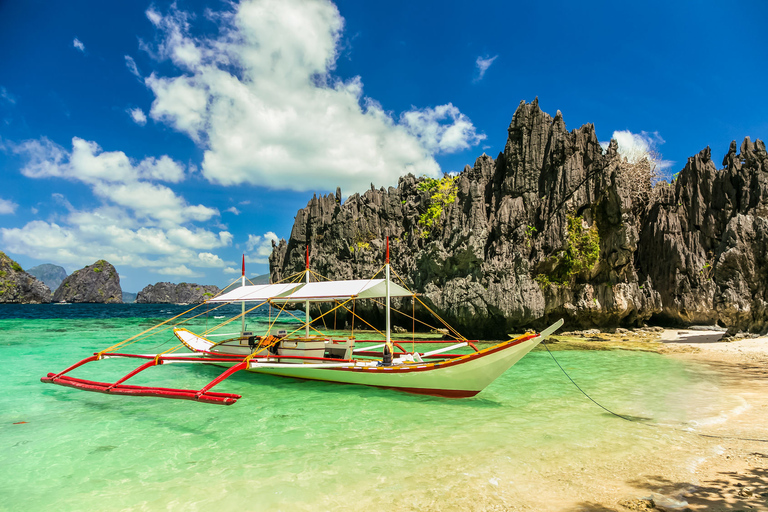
{"points": [[441, 372]]}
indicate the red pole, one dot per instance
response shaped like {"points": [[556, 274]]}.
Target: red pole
{"points": [[387, 249], [243, 265], [307, 256]]}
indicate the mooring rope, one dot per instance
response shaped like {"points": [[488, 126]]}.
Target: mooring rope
{"points": [[640, 421]]}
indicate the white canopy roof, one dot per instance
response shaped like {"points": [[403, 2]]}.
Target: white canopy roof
{"points": [[314, 292], [256, 293]]}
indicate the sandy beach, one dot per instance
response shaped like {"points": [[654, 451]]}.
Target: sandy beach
{"points": [[725, 465]]}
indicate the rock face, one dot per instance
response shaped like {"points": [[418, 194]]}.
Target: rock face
{"points": [[164, 293], [705, 242], [98, 283], [19, 287], [51, 275], [554, 227]]}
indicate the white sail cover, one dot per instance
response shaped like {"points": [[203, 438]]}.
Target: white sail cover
{"points": [[314, 292], [256, 293]]}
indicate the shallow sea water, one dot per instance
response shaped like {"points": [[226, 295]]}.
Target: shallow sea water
{"points": [[299, 445]]}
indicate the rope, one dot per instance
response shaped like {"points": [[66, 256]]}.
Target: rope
{"points": [[456, 333], [326, 313], [361, 318], [406, 315], [140, 336], [713, 436], [302, 322]]}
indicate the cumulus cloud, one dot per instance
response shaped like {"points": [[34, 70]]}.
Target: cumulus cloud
{"points": [[141, 223], [260, 247], [138, 116], [637, 146], [7, 207], [438, 136], [78, 45], [232, 209], [262, 102], [483, 63]]}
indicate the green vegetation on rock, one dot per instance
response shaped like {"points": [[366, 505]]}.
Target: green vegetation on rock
{"points": [[363, 240], [581, 252], [443, 193]]}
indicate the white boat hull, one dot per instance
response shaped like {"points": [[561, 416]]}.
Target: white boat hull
{"points": [[460, 377]]}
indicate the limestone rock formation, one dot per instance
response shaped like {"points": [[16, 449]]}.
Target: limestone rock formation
{"points": [[705, 242], [17, 286], [98, 283], [553, 227], [165, 293], [50, 274]]}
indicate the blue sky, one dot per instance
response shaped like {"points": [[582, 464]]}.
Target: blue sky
{"points": [[170, 138]]}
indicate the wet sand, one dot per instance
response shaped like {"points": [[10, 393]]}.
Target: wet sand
{"points": [[722, 467]]}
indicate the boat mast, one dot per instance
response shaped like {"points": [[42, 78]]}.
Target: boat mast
{"points": [[386, 267], [242, 304], [306, 304]]}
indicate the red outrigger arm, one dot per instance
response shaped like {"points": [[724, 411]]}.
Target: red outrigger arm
{"points": [[118, 388]]}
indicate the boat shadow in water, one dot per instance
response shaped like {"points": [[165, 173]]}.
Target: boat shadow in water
{"points": [[273, 385]]}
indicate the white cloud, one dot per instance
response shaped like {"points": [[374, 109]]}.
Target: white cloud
{"points": [[79, 45], [208, 259], [116, 178], [138, 116], [181, 271], [7, 207], [482, 66], [263, 104], [132, 67], [141, 223], [428, 125], [232, 270], [261, 245], [232, 209], [636, 146]]}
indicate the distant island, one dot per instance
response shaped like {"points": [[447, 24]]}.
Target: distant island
{"points": [[97, 283], [170, 293], [51, 275]]}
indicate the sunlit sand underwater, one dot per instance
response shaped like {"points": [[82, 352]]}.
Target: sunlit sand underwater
{"points": [[299, 445]]}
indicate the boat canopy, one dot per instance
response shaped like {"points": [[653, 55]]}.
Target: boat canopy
{"points": [[314, 292], [257, 293]]}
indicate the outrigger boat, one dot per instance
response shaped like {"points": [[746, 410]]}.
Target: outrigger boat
{"points": [[440, 372]]}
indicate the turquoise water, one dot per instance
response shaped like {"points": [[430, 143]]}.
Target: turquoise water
{"points": [[297, 445]]}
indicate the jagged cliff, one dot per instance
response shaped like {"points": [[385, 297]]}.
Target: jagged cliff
{"points": [[188, 293], [19, 287], [95, 283], [556, 226]]}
